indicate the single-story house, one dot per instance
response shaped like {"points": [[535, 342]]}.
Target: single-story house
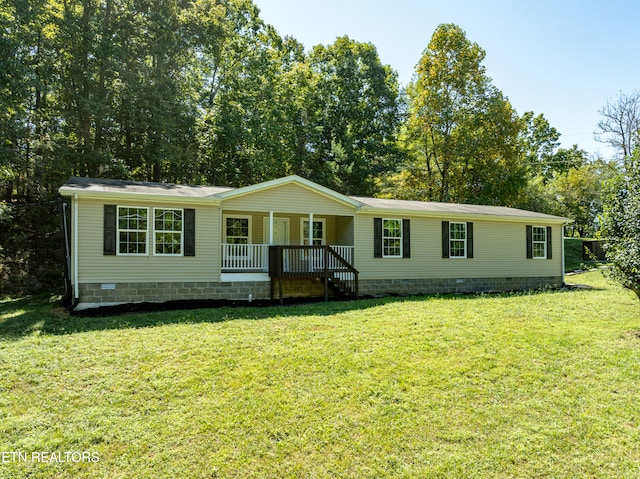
{"points": [[153, 242]]}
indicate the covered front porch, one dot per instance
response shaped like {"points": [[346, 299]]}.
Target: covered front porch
{"points": [[277, 247], [246, 237]]}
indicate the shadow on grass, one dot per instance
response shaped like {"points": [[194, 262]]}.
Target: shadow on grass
{"points": [[42, 314]]}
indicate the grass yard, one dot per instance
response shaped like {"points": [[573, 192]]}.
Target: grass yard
{"points": [[506, 386]]}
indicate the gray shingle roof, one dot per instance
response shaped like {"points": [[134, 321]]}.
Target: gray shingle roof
{"points": [[434, 207], [100, 185]]}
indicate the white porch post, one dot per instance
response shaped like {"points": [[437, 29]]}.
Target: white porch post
{"points": [[310, 229], [270, 227]]}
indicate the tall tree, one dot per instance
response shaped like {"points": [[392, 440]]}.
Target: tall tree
{"points": [[539, 143], [462, 132], [620, 123], [620, 228], [356, 115], [241, 132]]}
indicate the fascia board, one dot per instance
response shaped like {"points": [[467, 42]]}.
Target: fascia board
{"points": [[370, 210], [115, 197]]}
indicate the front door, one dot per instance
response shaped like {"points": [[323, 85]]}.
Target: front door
{"points": [[280, 230]]}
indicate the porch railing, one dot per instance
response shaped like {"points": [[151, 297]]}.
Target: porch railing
{"points": [[245, 257], [255, 258]]}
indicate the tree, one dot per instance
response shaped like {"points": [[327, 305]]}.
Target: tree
{"points": [[577, 194], [620, 228], [244, 129], [620, 123], [462, 132], [354, 117], [539, 143]]}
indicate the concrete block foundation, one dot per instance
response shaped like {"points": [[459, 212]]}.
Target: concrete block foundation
{"points": [[109, 294]]}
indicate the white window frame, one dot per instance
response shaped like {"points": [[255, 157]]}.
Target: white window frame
{"points": [[181, 232], [129, 230], [240, 217], [463, 240], [534, 242], [304, 237], [399, 238]]}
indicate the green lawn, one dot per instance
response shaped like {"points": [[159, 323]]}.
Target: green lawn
{"points": [[510, 386]]}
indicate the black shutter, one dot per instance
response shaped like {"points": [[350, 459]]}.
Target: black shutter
{"points": [[445, 239], [406, 239], [189, 232], [109, 231], [377, 237], [469, 240], [529, 241], [549, 243]]}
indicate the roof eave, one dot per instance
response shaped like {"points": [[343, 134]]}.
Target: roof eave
{"points": [[458, 215], [112, 196]]}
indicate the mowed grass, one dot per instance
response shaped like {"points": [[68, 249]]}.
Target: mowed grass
{"points": [[507, 386]]}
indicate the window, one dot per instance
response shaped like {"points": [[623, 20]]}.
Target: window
{"points": [[391, 238], [132, 230], [167, 229], [539, 242], [457, 240], [126, 229], [237, 229], [318, 232]]}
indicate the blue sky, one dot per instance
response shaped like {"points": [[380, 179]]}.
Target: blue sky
{"points": [[563, 59]]}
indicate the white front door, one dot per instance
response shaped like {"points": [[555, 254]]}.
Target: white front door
{"points": [[280, 230]]}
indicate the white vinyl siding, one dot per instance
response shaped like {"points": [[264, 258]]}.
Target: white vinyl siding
{"points": [[94, 267], [289, 199], [498, 252]]}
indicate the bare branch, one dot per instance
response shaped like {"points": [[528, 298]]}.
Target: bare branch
{"points": [[621, 123]]}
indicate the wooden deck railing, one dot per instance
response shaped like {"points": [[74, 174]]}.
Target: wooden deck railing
{"points": [[308, 262]]}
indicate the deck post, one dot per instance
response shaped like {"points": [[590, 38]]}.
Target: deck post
{"points": [[325, 258]]}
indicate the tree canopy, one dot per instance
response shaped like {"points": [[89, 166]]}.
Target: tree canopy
{"points": [[620, 228], [204, 92], [461, 132]]}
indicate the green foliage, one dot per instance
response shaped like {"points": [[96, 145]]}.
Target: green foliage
{"points": [[31, 252], [461, 131], [355, 113], [561, 181], [620, 226], [519, 385], [574, 250], [205, 92], [185, 92], [578, 194]]}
